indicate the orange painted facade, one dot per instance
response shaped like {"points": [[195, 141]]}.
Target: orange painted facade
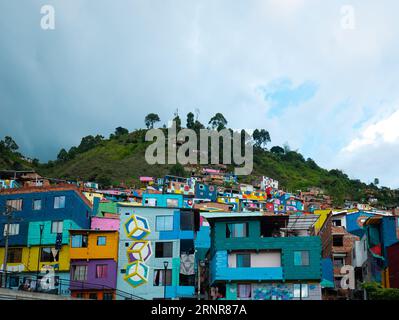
{"points": [[96, 249]]}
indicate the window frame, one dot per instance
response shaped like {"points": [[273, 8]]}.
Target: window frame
{"points": [[57, 199], [33, 204], [164, 217], [101, 244], [57, 223]]}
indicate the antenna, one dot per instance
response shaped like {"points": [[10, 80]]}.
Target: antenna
{"points": [[197, 113]]}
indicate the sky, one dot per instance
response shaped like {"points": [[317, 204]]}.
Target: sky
{"points": [[319, 75]]}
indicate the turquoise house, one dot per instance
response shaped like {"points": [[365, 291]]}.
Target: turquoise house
{"points": [[257, 257]]}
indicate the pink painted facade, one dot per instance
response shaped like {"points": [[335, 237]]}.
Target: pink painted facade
{"points": [[98, 223]]}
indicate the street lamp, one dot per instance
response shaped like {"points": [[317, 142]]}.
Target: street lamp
{"points": [[41, 227], [165, 268]]}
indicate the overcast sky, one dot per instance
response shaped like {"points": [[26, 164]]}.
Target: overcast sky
{"points": [[325, 84]]}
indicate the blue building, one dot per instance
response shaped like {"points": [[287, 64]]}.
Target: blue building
{"points": [[156, 251], [38, 231]]}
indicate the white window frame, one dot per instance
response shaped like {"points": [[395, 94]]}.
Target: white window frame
{"points": [[80, 273], [15, 204], [13, 229], [298, 289], [58, 226], [33, 205], [164, 224], [57, 202]]}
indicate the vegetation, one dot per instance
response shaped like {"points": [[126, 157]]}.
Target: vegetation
{"points": [[120, 160], [376, 292]]}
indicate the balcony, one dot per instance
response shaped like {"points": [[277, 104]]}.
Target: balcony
{"points": [[249, 274]]}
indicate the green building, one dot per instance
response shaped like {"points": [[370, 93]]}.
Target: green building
{"points": [[259, 257]]}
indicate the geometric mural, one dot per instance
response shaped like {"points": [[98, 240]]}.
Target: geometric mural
{"points": [[137, 228]]}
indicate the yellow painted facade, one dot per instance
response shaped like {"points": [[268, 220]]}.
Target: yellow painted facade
{"points": [[323, 217], [30, 257], [91, 195], [95, 251]]}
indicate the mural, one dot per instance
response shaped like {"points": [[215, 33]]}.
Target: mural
{"points": [[137, 229]]}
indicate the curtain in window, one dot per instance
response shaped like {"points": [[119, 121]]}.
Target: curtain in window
{"points": [[244, 291], [101, 271]]}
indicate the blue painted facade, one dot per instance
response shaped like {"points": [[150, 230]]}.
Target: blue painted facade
{"points": [[76, 210], [354, 224], [138, 269], [274, 260], [206, 192], [161, 200]]}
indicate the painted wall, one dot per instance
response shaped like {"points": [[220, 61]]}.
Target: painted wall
{"points": [[30, 260], [104, 223], [287, 245], [94, 251], [137, 260], [274, 291], [258, 260], [48, 238], [76, 210], [162, 199], [320, 222], [92, 281]]}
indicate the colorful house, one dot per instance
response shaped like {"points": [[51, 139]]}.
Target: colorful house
{"points": [[38, 233], [256, 257], [94, 258], [156, 252]]}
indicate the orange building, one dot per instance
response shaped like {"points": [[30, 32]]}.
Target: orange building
{"points": [[94, 258]]}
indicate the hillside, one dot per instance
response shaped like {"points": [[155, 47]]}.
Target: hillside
{"points": [[119, 160]]}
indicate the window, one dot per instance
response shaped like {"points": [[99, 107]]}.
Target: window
{"points": [[79, 241], [108, 296], [163, 249], [101, 271], [236, 230], [159, 279], [151, 202], [57, 226], [337, 223], [46, 255], [164, 223], [339, 262], [301, 290], [93, 295], [173, 203], [338, 240], [187, 246], [243, 291], [186, 220], [14, 255], [79, 273], [59, 202], [37, 204], [13, 229], [186, 280], [301, 258], [101, 241], [16, 204], [243, 260]]}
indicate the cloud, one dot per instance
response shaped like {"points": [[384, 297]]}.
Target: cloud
{"points": [[374, 152], [108, 64]]}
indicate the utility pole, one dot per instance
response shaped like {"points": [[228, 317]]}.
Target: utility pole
{"points": [[41, 227], [9, 215]]}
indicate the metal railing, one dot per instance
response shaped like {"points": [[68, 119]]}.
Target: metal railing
{"points": [[33, 283]]}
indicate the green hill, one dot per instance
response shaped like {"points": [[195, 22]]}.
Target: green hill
{"points": [[119, 160]]}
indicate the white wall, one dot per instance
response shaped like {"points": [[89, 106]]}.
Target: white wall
{"points": [[259, 260]]}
